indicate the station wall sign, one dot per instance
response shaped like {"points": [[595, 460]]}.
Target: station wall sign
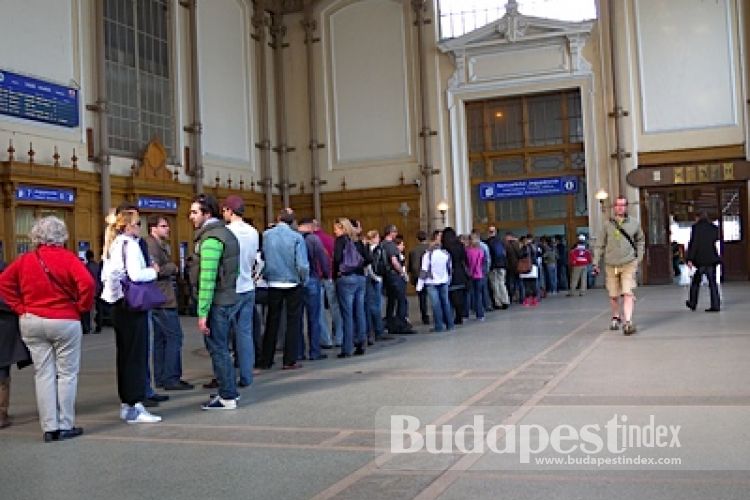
{"points": [[46, 194], [33, 99], [528, 188], [157, 203]]}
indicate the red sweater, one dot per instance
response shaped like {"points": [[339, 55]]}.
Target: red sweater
{"points": [[25, 287]]}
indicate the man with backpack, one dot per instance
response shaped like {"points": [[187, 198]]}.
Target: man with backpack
{"points": [[579, 259], [498, 269]]}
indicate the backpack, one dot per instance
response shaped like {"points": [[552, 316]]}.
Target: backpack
{"points": [[379, 261], [497, 250], [352, 259]]}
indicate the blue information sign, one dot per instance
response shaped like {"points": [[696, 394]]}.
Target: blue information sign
{"points": [[46, 194], [154, 203], [527, 188], [33, 99]]}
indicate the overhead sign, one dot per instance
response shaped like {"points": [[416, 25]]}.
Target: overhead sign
{"points": [[155, 203], [33, 99], [527, 188], [46, 194]]}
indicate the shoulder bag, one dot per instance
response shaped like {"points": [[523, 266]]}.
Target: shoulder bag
{"points": [[140, 295]]}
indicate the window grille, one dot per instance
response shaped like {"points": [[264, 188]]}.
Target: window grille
{"points": [[139, 81]]}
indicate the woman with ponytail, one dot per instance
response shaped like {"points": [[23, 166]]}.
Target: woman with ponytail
{"points": [[122, 256]]}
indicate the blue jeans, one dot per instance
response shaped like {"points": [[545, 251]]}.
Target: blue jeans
{"points": [[486, 302], [476, 296], [552, 275], [220, 320], [333, 304], [351, 295], [374, 305], [167, 347], [441, 307], [243, 325], [311, 302]]}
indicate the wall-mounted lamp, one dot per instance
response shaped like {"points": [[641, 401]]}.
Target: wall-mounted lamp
{"points": [[602, 197], [443, 208]]}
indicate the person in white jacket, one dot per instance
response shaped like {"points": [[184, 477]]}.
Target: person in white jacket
{"points": [[122, 255], [435, 276]]}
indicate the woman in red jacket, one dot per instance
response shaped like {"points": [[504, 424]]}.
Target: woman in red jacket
{"points": [[49, 289]]}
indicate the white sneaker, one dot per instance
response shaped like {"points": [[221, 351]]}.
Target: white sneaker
{"points": [[218, 403], [139, 415]]}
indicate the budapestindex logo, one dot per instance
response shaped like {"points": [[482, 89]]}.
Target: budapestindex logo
{"points": [[525, 440]]}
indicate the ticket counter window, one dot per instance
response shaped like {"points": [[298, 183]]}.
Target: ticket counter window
{"points": [[25, 218]]}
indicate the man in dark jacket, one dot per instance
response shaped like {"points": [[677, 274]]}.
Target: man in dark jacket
{"points": [[702, 254]]}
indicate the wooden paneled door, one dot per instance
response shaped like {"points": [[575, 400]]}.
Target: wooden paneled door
{"points": [[733, 233], [658, 261]]}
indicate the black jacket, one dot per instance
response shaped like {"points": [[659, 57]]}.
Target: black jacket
{"points": [[12, 348], [702, 246]]}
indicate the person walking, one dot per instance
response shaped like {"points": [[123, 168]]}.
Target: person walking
{"points": [[49, 289], [414, 264], [622, 244], [702, 255]]}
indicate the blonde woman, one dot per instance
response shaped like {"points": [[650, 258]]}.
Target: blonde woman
{"points": [[122, 255], [350, 257]]}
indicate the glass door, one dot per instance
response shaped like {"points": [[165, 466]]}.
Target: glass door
{"points": [[733, 241], [657, 263]]}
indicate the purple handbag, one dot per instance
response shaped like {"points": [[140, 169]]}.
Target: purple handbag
{"points": [[140, 295]]}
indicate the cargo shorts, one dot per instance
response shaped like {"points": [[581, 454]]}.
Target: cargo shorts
{"points": [[621, 279]]}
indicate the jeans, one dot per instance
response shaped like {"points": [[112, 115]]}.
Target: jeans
{"points": [[442, 313], [486, 302], [149, 388], [374, 305], [552, 276], [220, 319], [243, 327], [167, 347], [55, 346], [422, 296], [311, 297], [333, 304], [579, 276], [351, 292], [131, 344], [476, 296]]}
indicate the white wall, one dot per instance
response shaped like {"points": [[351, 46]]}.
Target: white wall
{"points": [[43, 39], [688, 76], [226, 82], [368, 83]]}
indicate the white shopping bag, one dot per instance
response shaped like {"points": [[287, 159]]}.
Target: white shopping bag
{"points": [[686, 274]]}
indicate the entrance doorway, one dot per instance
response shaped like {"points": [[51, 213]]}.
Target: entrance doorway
{"points": [[669, 214]]}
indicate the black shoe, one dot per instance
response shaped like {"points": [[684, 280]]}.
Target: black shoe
{"points": [[687, 303], [214, 384], [370, 342], [359, 351], [319, 357], [329, 346], [70, 433], [98, 329], [504, 306], [50, 436], [150, 403], [179, 386], [406, 332], [342, 355], [242, 384], [713, 310], [159, 398], [426, 320], [385, 336], [86, 332]]}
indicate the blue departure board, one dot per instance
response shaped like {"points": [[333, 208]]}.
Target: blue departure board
{"points": [[33, 99]]}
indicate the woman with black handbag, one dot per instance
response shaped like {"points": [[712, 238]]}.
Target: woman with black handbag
{"points": [[12, 352], [49, 288], [124, 261], [460, 277]]}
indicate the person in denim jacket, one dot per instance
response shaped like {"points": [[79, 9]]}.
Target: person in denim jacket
{"points": [[286, 270]]}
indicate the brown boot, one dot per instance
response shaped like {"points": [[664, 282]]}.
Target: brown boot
{"points": [[4, 402]]}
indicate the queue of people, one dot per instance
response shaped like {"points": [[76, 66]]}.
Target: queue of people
{"points": [[253, 293]]}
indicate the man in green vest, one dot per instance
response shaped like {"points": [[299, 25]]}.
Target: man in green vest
{"points": [[214, 270]]}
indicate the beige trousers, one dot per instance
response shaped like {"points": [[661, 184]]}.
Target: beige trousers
{"points": [[55, 346]]}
